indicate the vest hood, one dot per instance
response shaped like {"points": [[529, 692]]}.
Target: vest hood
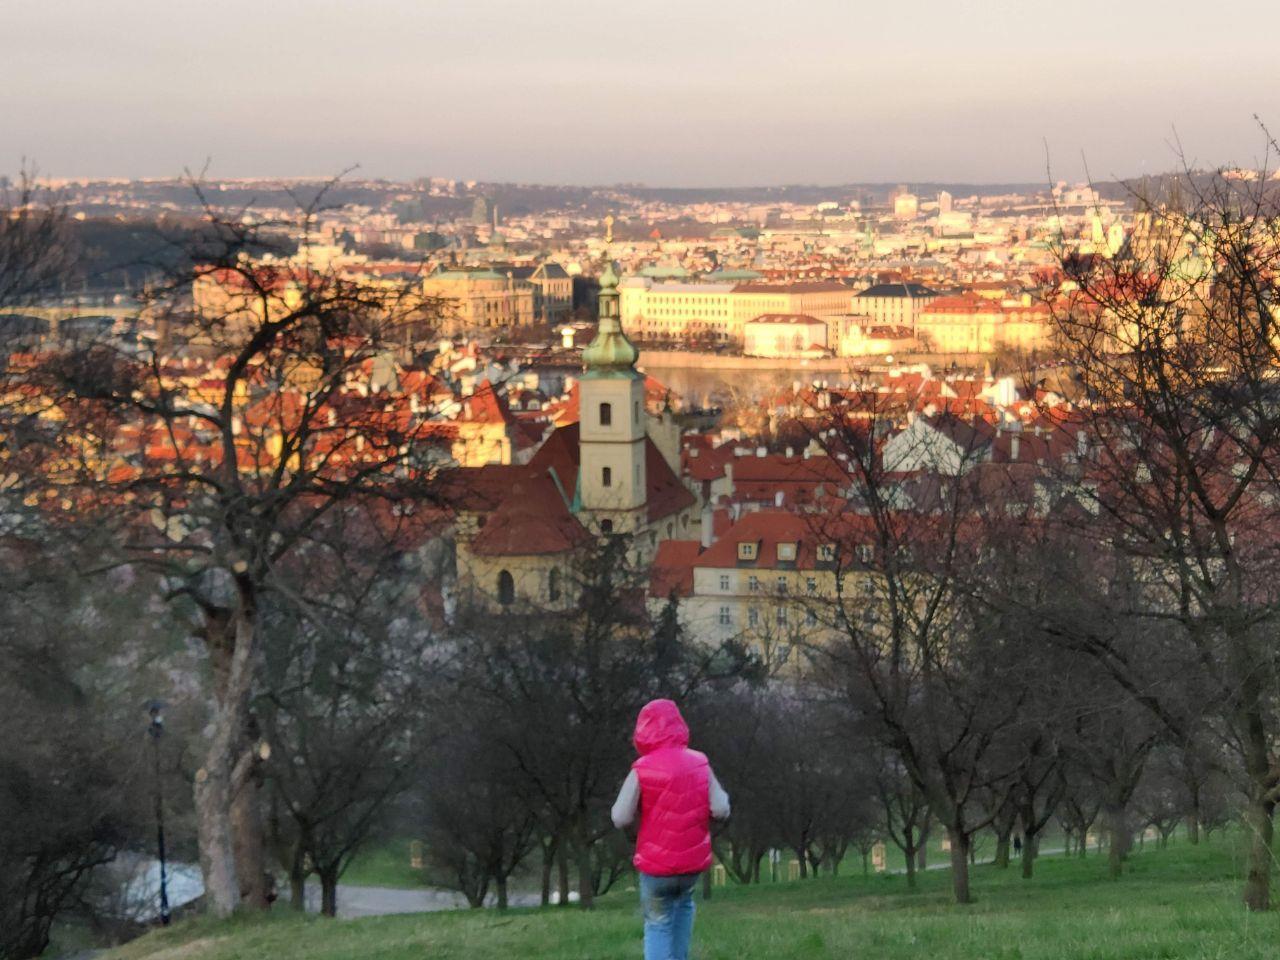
{"points": [[660, 725]]}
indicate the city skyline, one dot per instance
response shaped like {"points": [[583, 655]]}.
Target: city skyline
{"points": [[713, 95]]}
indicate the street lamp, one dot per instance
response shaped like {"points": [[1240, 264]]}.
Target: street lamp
{"points": [[156, 729]]}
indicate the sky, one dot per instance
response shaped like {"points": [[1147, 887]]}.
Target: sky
{"points": [[688, 93]]}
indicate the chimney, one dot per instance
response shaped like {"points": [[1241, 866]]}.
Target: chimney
{"points": [[762, 452], [1013, 446], [708, 525], [777, 499], [1082, 444], [790, 452]]}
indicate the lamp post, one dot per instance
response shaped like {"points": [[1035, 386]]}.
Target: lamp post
{"points": [[156, 730]]}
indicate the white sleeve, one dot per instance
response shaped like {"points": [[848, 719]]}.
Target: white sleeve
{"points": [[719, 799], [624, 808]]}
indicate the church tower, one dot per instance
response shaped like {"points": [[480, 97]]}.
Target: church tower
{"points": [[611, 424]]}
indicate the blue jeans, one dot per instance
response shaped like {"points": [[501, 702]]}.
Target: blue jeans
{"points": [[668, 908]]}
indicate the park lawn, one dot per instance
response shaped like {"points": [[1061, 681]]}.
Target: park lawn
{"points": [[383, 864], [1175, 904], [387, 863]]}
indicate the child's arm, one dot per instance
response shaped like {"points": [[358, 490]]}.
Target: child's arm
{"points": [[628, 802], [719, 799]]}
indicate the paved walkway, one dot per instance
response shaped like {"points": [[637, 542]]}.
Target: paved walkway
{"points": [[382, 901]]}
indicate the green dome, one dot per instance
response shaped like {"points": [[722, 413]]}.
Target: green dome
{"points": [[610, 354]]}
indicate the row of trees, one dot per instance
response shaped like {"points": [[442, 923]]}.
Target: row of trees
{"points": [[1106, 599]]}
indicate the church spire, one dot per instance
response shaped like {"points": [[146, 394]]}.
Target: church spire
{"points": [[610, 354]]}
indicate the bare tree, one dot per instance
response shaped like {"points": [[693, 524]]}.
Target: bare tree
{"points": [[1174, 345], [342, 691], [903, 645], [214, 480]]}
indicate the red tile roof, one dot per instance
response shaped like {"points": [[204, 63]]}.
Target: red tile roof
{"points": [[532, 520], [672, 570]]}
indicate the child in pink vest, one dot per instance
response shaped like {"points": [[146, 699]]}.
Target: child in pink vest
{"points": [[677, 795]]}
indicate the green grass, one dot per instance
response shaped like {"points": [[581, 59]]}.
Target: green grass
{"points": [[384, 865], [1175, 904]]}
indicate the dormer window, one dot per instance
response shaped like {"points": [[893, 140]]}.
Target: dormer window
{"points": [[865, 553], [787, 552], [747, 550], [827, 552]]}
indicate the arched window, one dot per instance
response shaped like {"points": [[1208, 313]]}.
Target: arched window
{"points": [[606, 476], [606, 526], [606, 414], [553, 585], [506, 588]]}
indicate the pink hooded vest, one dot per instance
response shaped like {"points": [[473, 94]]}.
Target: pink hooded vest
{"points": [[675, 811]]}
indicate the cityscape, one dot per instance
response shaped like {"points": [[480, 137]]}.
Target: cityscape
{"points": [[656, 482]]}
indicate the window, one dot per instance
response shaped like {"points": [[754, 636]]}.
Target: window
{"points": [[747, 550], [810, 586], [606, 526], [826, 552], [865, 553], [724, 582], [637, 412], [553, 585], [606, 414], [810, 617], [786, 551], [753, 617], [782, 616], [753, 583], [506, 588], [606, 476], [725, 617], [782, 585]]}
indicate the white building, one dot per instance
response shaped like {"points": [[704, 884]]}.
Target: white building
{"points": [[785, 336]]}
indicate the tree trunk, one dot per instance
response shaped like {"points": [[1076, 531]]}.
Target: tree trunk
{"points": [[213, 829], [562, 873], [910, 852], [1029, 842], [1002, 851], [1193, 828], [1259, 817], [1121, 839], [250, 843], [297, 882], [231, 655], [502, 893], [231, 650], [922, 856], [959, 865], [329, 893], [586, 877], [548, 864]]}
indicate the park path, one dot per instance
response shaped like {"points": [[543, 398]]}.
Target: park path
{"points": [[356, 902]]}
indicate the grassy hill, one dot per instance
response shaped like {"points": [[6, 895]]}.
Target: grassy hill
{"points": [[1172, 904]]}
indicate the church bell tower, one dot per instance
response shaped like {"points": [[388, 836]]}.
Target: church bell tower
{"points": [[612, 484]]}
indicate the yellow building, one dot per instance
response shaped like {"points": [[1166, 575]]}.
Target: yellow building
{"points": [[480, 299], [721, 311], [973, 324]]}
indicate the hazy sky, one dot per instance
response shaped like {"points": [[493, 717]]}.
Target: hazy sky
{"points": [[671, 92]]}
